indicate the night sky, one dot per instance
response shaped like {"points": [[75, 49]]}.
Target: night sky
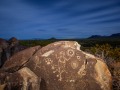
{"points": [[28, 19]]}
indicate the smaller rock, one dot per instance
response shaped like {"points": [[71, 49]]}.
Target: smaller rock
{"points": [[13, 41]]}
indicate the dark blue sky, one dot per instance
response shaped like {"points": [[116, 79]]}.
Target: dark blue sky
{"points": [[27, 19]]}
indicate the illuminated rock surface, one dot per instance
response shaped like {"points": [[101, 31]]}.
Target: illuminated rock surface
{"points": [[57, 66]]}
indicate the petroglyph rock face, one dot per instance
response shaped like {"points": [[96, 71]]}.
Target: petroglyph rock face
{"points": [[63, 66]]}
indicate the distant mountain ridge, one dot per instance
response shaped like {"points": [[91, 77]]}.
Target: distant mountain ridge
{"points": [[116, 35]]}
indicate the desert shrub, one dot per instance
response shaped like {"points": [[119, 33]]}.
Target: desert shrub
{"points": [[106, 52], [111, 55]]}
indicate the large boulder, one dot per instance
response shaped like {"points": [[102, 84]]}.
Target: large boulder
{"points": [[13, 41], [57, 66]]}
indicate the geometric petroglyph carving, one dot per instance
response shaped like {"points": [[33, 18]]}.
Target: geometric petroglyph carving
{"points": [[74, 64], [82, 71], [48, 61], [70, 52], [48, 53]]}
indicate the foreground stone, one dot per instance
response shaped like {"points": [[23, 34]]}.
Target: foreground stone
{"points": [[57, 66]]}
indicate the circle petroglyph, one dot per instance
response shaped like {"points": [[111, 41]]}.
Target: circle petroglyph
{"points": [[78, 57], [70, 52], [74, 64]]}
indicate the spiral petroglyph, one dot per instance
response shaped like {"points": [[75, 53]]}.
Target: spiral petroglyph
{"points": [[70, 52]]}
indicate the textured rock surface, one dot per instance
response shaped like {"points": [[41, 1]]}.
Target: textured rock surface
{"points": [[19, 59], [57, 66]]}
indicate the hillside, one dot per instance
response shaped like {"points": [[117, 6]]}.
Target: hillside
{"points": [[116, 35]]}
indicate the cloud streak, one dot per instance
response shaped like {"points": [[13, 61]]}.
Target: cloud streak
{"points": [[58, 18]]}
